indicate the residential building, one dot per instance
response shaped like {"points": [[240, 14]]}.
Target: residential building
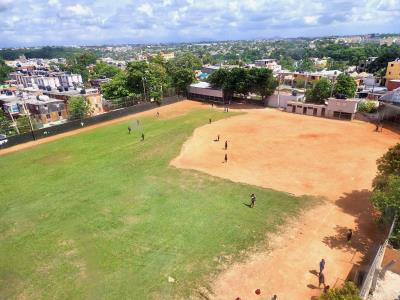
{"points": [[168, 56], [280, 99], [363, 64], [268, 63], [393, 70], [209, 69], [393, 84], [93, 96], [46, 110], [40, 79]]}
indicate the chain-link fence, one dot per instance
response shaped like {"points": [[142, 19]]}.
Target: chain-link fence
{"points": [[374, 269]]}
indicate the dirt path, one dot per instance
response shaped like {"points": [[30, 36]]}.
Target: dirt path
{"points": [[301, 155], [168, 111]]}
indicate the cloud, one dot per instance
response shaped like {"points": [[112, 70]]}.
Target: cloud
{"points": [[141, 21], [5, 4]]}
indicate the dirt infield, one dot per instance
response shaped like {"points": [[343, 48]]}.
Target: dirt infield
{"points": [[168, 111], [301, 155]]}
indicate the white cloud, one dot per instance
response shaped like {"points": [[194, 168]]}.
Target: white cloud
{"points": [[146, 8], [55, 3], [79, 10]]}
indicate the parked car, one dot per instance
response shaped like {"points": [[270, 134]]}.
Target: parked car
{"points": [[3, 139]]}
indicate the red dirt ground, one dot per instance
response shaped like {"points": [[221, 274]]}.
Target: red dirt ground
{"points": [[300, 155], [168, 111]]}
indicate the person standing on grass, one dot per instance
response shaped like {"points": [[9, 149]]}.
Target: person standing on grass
{"points": [[253, 200], [158, 114], [129, 129], [226, 158], [349, 235], [321, 279], [321, 265], [142, 136], [226, 145]]}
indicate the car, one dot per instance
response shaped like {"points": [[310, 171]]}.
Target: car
{"points": [[3, 139]]}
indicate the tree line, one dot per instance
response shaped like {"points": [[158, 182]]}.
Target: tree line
{"points": [[150, 79], [242, 82]]}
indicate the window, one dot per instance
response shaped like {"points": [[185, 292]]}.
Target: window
{"points": [[48, 116], [59, 113], [392, 65]]}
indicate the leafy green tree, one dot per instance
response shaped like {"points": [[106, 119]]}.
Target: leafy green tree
{"points": [[367, 107], [336, 65], [345, 85], [387, 198], [137, 72], [187, 60], [181, 78], [24, 124], [79, 107], [287, 63], [4, 71], [388, 164], [306, 65], [5, 123], [262, 82], [319, 92], [348, 291], [103, 70], [300, 83], [117, 87], [156, 80]]}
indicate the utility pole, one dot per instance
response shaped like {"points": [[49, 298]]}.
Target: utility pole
{"points": [[279, 84], [144, 88], [29, 118]]}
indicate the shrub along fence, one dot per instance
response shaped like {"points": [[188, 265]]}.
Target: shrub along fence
{"points": [[76, 124]]}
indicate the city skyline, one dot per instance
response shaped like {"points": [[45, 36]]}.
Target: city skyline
{"points": [[57, 22]]}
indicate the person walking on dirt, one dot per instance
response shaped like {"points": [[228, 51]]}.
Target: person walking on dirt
{"points": [[218, 138], [252, 200], [349, 235], [326, 289], [226, 145], [377, 127], [142, 136], [226, 158], [129, 129], [321, 265], [321, 279], [274, 297]]}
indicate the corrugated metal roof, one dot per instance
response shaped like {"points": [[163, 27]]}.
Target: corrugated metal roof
{"points": [[392, 97]]}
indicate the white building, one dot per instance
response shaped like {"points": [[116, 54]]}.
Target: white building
{"points": [[268, 63]]}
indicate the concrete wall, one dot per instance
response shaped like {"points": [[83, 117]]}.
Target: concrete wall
{"points": [[284, 98]]}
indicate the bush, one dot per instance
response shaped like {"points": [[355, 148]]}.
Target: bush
{"points": [[348, 291], [367, 106]]}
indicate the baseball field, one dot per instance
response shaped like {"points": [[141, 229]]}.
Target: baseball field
{"points": [[102, 214], [99, 214]]}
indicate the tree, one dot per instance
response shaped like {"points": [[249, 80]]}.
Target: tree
{"points": [[117, 87], [262, 82], [388, 164], [156, 81], [345, 85], [187, 60], [181, 78], [79, 107], [348, 291], [4, 71], [367, 106], [319, 92], [5, 123], [103, 70], [306, 65], [387, 198], [24, 124]]}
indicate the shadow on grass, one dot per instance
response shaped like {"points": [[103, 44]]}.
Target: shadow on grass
{"points": [[248, 205]]}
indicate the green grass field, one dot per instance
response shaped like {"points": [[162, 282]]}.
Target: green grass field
{"points": [[101, 215]]}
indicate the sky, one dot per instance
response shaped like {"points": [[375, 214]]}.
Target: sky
{"points": [[97, 22]]}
